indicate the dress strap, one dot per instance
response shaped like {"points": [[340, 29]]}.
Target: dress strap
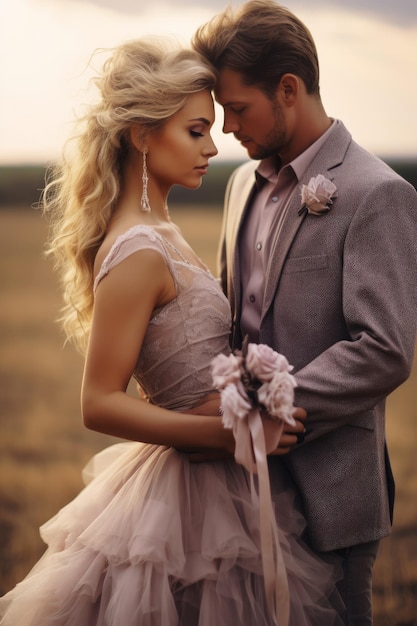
{"points": [[137, 237], [170, 245]]}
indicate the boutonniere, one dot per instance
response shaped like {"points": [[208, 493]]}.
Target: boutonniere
{"points": [[317, 196]]}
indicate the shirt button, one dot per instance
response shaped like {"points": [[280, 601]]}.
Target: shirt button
{"points": [[274, 198], [259, 246], [252, 298]]}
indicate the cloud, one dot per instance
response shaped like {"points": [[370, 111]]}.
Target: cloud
{"points": [[366, 67], [48, 66], [402, 12], [367, 70]]}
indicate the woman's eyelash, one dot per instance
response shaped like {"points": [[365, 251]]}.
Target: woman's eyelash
{"points": [[195, 133]]}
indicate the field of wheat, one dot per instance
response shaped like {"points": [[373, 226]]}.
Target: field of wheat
{"points": [[43, 444]]}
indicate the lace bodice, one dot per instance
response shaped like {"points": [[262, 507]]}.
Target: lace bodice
{"points": [[173, 367]]}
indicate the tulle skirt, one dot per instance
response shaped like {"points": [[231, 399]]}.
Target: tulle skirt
{"points": [[154, 540]]}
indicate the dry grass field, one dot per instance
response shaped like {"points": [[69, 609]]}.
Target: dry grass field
{"points": [[43, 444]]}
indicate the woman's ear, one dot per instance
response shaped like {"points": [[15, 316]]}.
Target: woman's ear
{"points": [[137, 137]]}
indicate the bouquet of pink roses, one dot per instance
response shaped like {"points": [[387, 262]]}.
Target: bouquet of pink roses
{"points": [[255, 385], [254, 381]]}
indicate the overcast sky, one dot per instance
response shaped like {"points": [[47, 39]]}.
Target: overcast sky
{"points": [[367, 51], [401, 11]]}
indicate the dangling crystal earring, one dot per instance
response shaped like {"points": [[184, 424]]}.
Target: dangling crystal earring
{"points": [[145, 205]]}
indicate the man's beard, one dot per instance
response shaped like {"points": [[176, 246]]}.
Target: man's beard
{"points": [[274, 141]]}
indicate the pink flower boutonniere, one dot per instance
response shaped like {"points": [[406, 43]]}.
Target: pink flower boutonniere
{"points": [[317, 196]]}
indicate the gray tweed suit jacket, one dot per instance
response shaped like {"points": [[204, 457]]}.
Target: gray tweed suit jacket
{"points": [[340, 303]]}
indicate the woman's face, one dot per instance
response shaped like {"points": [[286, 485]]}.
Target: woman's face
{"points": [[178, 153]]}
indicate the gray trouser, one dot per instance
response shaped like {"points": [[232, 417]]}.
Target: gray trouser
{"points": [[356, 585]]}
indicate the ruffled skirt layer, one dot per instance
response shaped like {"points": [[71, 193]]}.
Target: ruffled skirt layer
{"points": [[156, 541]]}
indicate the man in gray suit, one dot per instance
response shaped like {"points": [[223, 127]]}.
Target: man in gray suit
{"points": [[318, 259]]}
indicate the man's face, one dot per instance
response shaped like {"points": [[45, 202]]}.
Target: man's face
{"points": [[256, 120]]}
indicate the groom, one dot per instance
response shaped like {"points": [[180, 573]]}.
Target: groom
{"points": [[318, 259]]}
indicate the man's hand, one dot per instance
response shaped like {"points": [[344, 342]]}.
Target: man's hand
{"points": [[292, 435]]}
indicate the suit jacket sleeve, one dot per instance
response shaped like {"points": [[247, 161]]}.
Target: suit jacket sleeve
{"points": [[347, 379]]}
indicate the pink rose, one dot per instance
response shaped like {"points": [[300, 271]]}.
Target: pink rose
{"points": [[234, 404], [317, 195], [277, 396], [225, 370], [262, 362]]}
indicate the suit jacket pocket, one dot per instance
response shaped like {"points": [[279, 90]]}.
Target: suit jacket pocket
{"points": [[305, 264], [366, 421]]}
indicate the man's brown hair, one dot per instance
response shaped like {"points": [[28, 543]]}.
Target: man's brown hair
{"points": [[261, 40]]}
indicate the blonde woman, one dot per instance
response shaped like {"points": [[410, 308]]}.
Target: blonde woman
{"points": [[153, 539]]}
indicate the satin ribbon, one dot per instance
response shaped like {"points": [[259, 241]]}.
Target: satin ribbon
{"points": [[251, 452]]}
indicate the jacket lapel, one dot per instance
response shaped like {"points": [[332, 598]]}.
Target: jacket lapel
{"points": [[280, 247], [241, 189], [238, 201], [330, 156]]}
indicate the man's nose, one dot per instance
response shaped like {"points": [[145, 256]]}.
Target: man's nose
{"points": [[230, 125]]}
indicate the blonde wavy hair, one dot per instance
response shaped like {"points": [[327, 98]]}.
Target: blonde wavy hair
{"points": [[143, 82]]}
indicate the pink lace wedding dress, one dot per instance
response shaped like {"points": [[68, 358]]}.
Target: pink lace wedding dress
{"points": [[154, 540]]}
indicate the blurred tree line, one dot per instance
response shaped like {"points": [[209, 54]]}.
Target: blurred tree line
{"points": [[22, 185]]}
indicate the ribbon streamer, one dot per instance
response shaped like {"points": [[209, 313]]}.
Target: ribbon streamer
{"points": [[251, 452]]}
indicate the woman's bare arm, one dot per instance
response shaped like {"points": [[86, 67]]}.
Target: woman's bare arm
{"points": [[124, 302]]}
